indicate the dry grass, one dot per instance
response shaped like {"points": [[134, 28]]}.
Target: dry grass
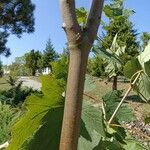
{"points": [[139, 107]]}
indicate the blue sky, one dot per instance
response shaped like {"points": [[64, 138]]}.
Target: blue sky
{"points": [[48, 25]]}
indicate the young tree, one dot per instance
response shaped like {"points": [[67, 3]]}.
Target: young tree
{"points": [[18, 67], [49, 54], [16, 17], [32, 59], [80, 41], [120, 25]]}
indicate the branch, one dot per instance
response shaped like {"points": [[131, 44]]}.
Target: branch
{"points": [[70, 23], [94, 18]]}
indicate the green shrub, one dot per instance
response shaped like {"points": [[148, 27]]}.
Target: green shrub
{"points": [[6, 116], [60, 68], [96, 67], [16, 94]]}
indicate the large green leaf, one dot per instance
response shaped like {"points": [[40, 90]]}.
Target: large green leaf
{"points": [[92, 127], [144, 59], [90, 84], [142, 62], [39, 128], [111, 101], [112, 57], [131, 67], [39, 109], [142, 87], [145, 55], [92, 89], [147, 68], [108, 54]]}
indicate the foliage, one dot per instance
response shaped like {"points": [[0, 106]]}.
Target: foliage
{"points": [[18, 70], [18, 67], [16, 17], [96, 66], [117, 137], [15, 94], [49, 55], [145, 39], [39, 128], [81, 16], [3, 40], [6, 116], [142, 62], [119, 24], [32, 59], [40, 115], [111, 101], [112, 58], [60, 68]]}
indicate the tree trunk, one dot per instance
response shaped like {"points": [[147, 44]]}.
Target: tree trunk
{"points": [[79, 42], [114, 86], [75, 86], [33, 72]]}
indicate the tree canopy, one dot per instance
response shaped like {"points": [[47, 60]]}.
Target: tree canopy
{"points": [[120, 24], [16, 17], [49, 54], [32, 60]]}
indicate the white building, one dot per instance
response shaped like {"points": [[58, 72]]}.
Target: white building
{"points": [[46, 71]]}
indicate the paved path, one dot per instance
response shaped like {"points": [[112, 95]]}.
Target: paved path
{"points": [[36, 85]]}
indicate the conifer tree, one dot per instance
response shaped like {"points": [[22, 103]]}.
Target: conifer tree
{"points": [[49, 54], [16, 17], [120, 24]]}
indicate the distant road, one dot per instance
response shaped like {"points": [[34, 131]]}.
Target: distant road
{"points": [[31, 83]]}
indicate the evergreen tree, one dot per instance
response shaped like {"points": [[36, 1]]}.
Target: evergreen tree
{"points": [[32, 59], [16, 17], [120, 24], [49, 54]]}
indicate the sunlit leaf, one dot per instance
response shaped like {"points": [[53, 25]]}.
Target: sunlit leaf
{"points": [[81, 15], [131, 67]]}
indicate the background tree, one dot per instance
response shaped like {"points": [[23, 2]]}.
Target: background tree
{"points": [[120, 25], [32, 59], [49, 55], [18, 67], [145, 39], [16, 17], [96, 66], [80, 41]]}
